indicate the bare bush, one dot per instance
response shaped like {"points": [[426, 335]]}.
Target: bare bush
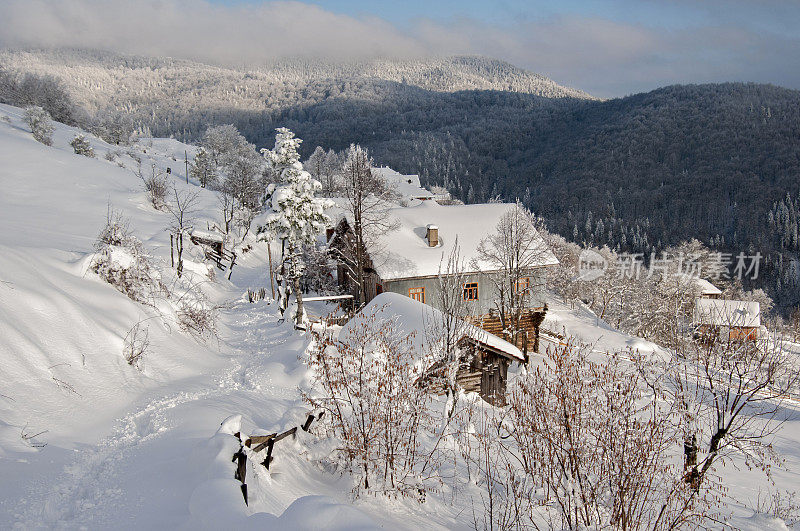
{"points": [[255, 295], [783, 505], [600, 440], [135, 345], [376, 409], [197, 318], [156, 186]]}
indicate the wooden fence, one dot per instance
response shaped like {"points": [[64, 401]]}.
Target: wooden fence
{"points": [[259, 443]]}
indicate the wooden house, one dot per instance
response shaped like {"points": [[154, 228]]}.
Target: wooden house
{"points": [[738, 320], [407, 261], [484, 358]]}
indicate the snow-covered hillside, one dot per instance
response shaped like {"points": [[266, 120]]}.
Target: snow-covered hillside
{"points": [[88, 441]]}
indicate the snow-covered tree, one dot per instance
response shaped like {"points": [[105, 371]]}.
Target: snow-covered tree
{"points": [[39, 121], [203, 170], [297, 216]]}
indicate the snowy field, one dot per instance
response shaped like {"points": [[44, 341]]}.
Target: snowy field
{"points": [[87, 441]]}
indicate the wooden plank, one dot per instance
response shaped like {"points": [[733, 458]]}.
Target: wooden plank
{"points": [[284, 435], [258, 439]]}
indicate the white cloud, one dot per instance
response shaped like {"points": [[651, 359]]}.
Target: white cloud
{"points": [[603, 56]]}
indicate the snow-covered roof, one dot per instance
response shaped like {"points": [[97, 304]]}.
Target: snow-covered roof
{"points": [[706, 287], [719, 312], [408, 186], [703, 286], [207, 236], [404, 253], [413, 317]]}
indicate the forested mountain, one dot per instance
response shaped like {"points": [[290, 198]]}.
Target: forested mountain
{"points": [[715, 162]]}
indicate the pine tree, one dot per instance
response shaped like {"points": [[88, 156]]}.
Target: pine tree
{"points": [[297, 216]]}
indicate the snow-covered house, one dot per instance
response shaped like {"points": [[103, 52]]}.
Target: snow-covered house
{"points": [[407, 186], [408, 260], [727, 318], [699, 286], [484, 357]]}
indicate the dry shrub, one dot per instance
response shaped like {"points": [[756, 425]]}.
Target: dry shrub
{"points": [[157, 189], [135, 346], [255, 295], [197, 318], [375, 408], [601, 444]]}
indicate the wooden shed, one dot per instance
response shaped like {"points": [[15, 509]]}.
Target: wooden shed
{"points": [[484, 357]]}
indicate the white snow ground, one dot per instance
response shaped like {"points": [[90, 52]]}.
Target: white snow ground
{"points": [[119, 448]]}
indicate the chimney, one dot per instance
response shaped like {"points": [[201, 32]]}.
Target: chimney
{"points": [[433, 236]]}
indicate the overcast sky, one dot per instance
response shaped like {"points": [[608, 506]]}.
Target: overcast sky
{"points": [[608, 48]]}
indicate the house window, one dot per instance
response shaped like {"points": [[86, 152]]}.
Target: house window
{"points": [[471, 291], [378, 289], [523, 285], [418, 294]]}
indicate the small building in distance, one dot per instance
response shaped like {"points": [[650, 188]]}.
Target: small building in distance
{"points": [[407, 186], [484, 357], [727, 319], [706, 289]]}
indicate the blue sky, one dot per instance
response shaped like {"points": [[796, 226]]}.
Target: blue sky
{"points": [[781, 16], [606, 47]]}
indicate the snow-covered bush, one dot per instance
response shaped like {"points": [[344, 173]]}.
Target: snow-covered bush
{"points": [[81, 146], [375, 408], [121, 261], [39, 121]]}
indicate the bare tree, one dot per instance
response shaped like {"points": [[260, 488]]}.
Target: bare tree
{"points": [[181, 208], [731, 392], [366, 196], [511, 253], [452, 326]]}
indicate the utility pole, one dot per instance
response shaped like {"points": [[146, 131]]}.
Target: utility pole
{"points": [[186, 160]]}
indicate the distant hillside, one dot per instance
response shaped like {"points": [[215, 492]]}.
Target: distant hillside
{"points": [[103, 81], [637, 173]]}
